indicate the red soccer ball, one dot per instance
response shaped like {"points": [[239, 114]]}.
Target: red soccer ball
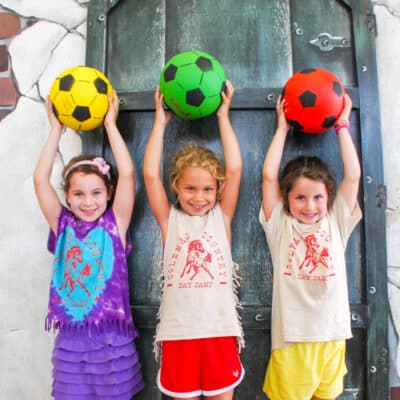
{"points": [[314, 100]]}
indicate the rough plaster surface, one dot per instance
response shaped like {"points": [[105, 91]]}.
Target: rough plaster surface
{"points": [[55, 42], [388, 60], [49, 10]]}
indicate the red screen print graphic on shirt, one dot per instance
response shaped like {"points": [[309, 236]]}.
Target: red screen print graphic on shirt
{"points": [[80, 274], [316, 264], [73, 274], [196, 260], [201, 262]]}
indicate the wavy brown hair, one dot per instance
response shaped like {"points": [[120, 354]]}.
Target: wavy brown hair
{"points": [[308, 167], [88, 169]]}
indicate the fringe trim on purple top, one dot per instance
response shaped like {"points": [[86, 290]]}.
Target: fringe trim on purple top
{"points": [[70, 328]]}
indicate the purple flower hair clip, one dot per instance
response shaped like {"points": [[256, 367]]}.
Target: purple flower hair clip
{"points": [[103, 167]]}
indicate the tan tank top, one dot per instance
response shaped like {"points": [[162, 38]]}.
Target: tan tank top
{"points": [[199, 279]]}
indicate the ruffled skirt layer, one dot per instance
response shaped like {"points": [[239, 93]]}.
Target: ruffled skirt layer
{"points": [[96, 367]]}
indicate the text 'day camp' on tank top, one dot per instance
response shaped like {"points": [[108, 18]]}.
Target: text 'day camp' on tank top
{"points": [[199, 282]]}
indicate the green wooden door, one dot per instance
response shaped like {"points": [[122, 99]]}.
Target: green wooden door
{"points": [[260, 43]]}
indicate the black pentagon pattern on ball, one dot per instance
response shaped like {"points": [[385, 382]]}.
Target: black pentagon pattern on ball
{"points": [[296, 125], [337, 88], [307, 70], [81, 113], [308, 99], [328, 122], [100, 85], [224, 88], [54, 110], [194, 97], [66, 83], [170, 72], [204, 64]]}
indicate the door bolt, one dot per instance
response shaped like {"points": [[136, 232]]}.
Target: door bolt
{"points": [[372, 369], [372, 289], [270, 96]]}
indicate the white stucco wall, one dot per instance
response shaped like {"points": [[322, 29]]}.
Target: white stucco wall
{"points": [[388, 60], [37, 55]]}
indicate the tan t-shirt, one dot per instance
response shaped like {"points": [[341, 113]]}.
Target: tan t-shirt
{"points": [[198, 299], [310, 296]]}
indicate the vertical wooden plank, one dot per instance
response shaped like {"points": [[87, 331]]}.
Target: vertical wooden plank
{"points": [[96, 57], [249, 38], [374, 203], [136, 54], [322, 17]]}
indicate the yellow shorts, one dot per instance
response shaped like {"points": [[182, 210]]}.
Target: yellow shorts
{"points": [[303, 370]]}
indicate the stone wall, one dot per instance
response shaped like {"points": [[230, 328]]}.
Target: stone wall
{"points": [[38, 39]]}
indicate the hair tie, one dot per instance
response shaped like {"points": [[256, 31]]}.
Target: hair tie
{"points": [[98, 162], [342, 123]]}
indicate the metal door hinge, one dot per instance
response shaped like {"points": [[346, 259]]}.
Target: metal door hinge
{"points": [[326, 42]]}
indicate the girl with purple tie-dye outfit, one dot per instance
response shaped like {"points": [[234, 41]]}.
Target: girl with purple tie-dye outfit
{"points": [[94, 356]]}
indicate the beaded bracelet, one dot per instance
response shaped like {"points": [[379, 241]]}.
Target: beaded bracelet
{"points": [[342, 123]]}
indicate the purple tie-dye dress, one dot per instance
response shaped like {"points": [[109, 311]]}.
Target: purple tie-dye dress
{"points": [[94, 356]]}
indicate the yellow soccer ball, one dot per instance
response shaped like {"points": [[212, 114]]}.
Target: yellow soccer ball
{"points": [[79, 97]]}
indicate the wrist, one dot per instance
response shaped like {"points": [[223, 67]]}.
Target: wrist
{"points": [[282, 130], [109, 124], [55, 130], [222, 116], [341, 124]]}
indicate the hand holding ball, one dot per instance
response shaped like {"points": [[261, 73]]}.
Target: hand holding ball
{"points": [[314, 100], [191, 83], [80, 97]]}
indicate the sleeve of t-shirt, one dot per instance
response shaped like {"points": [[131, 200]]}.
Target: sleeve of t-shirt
{"points": [[272, 223], [346, 219]]}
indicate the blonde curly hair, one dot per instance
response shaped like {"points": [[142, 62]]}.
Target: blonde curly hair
{"points": [[197, 156]]}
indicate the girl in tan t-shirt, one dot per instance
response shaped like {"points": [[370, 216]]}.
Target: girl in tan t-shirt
{"points": [[307, 359], [195, 362]]}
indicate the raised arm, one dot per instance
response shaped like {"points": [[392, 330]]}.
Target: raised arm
{"points": [[232, 156], [49, 201], [152, 164], [125, 190], [270, 173], [351, 165]]}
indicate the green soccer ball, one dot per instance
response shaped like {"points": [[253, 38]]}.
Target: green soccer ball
{"points": [[191, 83]]}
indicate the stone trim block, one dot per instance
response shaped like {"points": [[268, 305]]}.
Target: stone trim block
{"points": [[395, 393], [8, 93], [9, 25]]}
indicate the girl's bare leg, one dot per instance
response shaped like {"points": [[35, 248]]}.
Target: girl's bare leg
{"points": [[224, 396]]}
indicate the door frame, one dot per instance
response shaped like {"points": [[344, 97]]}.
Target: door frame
{"points": [[372, 315]]}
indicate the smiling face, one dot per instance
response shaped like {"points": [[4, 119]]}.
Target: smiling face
{"points": [[197, 191], [308, 200], [87, 196]]}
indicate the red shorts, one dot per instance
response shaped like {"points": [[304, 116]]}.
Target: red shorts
{"points": [[195, 367]]}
